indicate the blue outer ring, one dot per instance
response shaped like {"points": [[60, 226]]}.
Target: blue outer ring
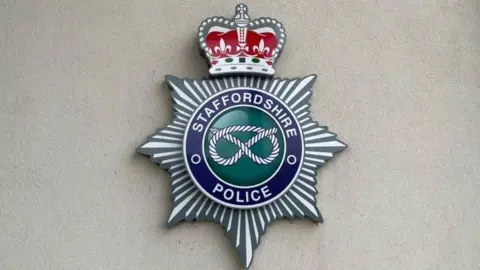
{"points": [[206, 180]]}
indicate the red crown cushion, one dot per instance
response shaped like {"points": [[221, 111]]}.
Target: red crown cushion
{"points": [[223, 42]]}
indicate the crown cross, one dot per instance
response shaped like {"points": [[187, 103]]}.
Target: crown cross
{"points": [[241, 46]]}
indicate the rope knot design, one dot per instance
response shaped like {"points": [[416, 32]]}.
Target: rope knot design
{"points": [[243, 148]]}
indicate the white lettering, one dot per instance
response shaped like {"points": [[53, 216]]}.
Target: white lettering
{"points": [[238, 197], [209, 112], [242, 196], [201, 118], [291, 132], [197, 127], [256, 199], [257, 100], [286, 122], [230, 196], [276, 110], [247, 97], [225, 100], [218, 188], [215, 104], [266, 192], [268, 104], [236, 98]]}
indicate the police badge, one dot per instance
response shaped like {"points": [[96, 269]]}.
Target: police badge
{"points": [[242, 149]]}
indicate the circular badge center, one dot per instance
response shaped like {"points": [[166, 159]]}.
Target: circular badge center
{"points": [[244, 146]]}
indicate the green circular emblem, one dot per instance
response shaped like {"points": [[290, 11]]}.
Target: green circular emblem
{"points": [[244, 146]]}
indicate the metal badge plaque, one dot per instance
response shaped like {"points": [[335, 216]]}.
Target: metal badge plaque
{"points": [[242, 149]]}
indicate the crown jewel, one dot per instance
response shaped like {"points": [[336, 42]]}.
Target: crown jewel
{"points": [[241, 46]]}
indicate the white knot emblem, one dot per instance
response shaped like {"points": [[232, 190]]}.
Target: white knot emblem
{"points": [[243, 148]]}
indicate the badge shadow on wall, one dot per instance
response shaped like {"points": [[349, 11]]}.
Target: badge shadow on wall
{"points": [[242, 149]]}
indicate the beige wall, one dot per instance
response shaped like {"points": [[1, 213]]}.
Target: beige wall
{"points": [[81, 88]]}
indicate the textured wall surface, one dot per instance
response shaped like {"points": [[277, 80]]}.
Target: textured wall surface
{"points": [[81, 85]]}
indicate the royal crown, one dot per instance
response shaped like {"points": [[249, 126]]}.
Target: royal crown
{"points": [[241, 46]]}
